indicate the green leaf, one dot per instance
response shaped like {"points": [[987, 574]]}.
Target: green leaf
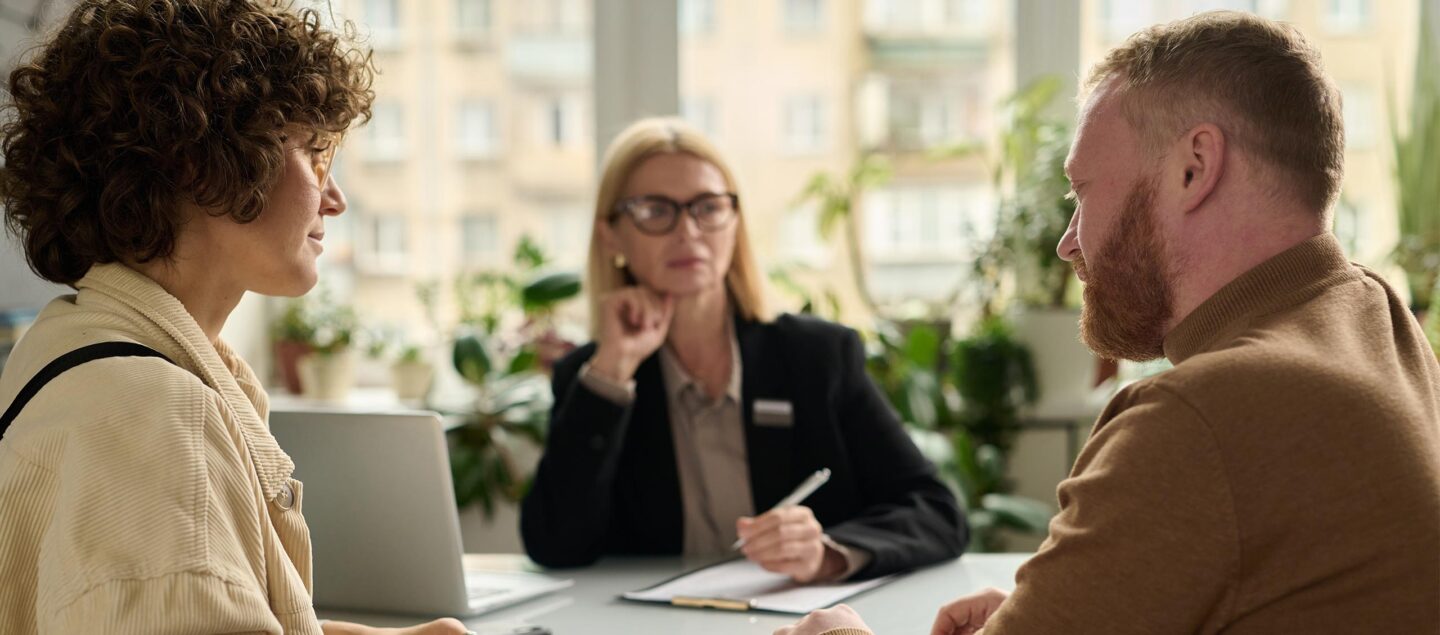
{"points": [[922, 346], [547, 290], [1018, 512], [528, 254], [524, 360], [471, 360]]}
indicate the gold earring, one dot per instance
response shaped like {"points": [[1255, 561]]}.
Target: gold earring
{"points": [[620, 261]]}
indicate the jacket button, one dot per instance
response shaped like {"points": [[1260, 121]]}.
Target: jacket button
{"points": [[285, 499]]}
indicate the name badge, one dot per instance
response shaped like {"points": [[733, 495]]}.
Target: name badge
{"points": [[773, 413]]}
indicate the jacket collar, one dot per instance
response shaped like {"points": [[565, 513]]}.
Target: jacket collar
{"points": [[176, 334]]}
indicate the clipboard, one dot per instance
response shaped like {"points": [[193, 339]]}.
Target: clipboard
{"points": [[742, 585]]}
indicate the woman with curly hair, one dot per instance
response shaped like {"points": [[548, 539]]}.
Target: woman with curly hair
{"points": [[164, 157]]}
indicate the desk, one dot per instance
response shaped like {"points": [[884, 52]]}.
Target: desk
{"points": [[906, 605]]}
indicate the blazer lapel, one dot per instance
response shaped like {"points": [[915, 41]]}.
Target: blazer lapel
{"points": [[770, 448], [657, 479]]}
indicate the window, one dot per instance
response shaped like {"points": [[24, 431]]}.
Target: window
{"points": [[927, 222], [567, 235], [700, 112], [805, 125], [1120, 18], [800, 236], [1362, 115], [474, 19], [478, 136], [559, 121], [383, 18], [804, 16], [480, 240], [386, 133], [1347, 16], [382, 244], [927, 16], [697, 17], [553, 17]]}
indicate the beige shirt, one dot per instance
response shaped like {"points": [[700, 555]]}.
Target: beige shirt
{"points": [[140, 496], [710, 455]]}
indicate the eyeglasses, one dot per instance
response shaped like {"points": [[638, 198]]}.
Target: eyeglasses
{"points": [[659, 215], [322, 156]]}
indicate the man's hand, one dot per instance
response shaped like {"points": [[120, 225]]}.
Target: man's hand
{"points": [[968, 615], [838, 616]]}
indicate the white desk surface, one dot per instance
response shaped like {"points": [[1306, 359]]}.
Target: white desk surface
{"points": [[904, 606]]}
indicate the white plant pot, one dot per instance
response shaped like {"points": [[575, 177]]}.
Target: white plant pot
{"points": [[327, 377], [1064, 367], [411, 380]]}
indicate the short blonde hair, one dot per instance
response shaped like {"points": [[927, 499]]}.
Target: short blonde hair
{"points": [[640, 141], [1259, 80]]}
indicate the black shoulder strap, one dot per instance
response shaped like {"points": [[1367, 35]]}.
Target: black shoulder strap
{"points": [[66, 362]]}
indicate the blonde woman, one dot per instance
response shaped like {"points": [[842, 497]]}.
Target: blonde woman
{"points": [[694, 412]]}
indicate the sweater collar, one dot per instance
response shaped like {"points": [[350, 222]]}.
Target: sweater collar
{"points": [[217, 365], [1279, 282]]}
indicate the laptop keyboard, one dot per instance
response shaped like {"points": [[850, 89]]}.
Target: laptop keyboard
{"points": [[480, 592]]}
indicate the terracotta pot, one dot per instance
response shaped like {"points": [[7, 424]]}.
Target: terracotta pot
{"points": [[287, 358]]}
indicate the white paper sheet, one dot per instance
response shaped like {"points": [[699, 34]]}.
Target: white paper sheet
{"points": [[744, 580]]}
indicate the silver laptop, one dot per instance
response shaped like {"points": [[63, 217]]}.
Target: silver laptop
{"points": [[382, 517]]}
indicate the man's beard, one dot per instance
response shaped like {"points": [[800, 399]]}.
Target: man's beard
{"points": [[1128, 299]]}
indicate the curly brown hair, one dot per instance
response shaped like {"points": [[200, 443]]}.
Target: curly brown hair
{"points": [[134, 108]]}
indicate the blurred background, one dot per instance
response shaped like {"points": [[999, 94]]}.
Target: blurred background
{"points": [[899, 165]]}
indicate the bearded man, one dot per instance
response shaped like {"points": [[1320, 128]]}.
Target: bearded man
{"points": [[1284, 476]]}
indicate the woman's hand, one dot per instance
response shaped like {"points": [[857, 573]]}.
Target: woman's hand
{"points": [[788, 541], [443, 626], [633, 324]]}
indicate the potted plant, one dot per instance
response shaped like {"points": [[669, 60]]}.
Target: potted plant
{"points": [[411, 374], [1417, 171], [328, 371], [291, 334], [505, 346], [961, 403], [1034, 213]]}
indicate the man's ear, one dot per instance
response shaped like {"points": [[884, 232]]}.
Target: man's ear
{"points": [[1201, 164]]}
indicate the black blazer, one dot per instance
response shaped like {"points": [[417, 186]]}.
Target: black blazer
{"points": [[608, 484]]}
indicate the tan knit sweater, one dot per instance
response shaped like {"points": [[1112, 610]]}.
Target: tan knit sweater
{"points": [[1284, 477], [137, 496]]}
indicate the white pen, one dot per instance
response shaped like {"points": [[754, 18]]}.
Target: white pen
{"points": [[802, 492]]}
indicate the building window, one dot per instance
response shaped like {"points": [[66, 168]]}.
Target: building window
{"points": [[382, 244], [1120, 18], [1347, 16], [700, 112], [386, 132], [927, 223], [479, 134], [559, 119], [474, 19], [567, 234], [697, 17], [804, 16], [805, 124], [480, 240], [383, 16], [800, 232], [927, 16], [1361, 115]]}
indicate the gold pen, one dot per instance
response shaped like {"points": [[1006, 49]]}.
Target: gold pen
{"points": [[723, 604]]}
